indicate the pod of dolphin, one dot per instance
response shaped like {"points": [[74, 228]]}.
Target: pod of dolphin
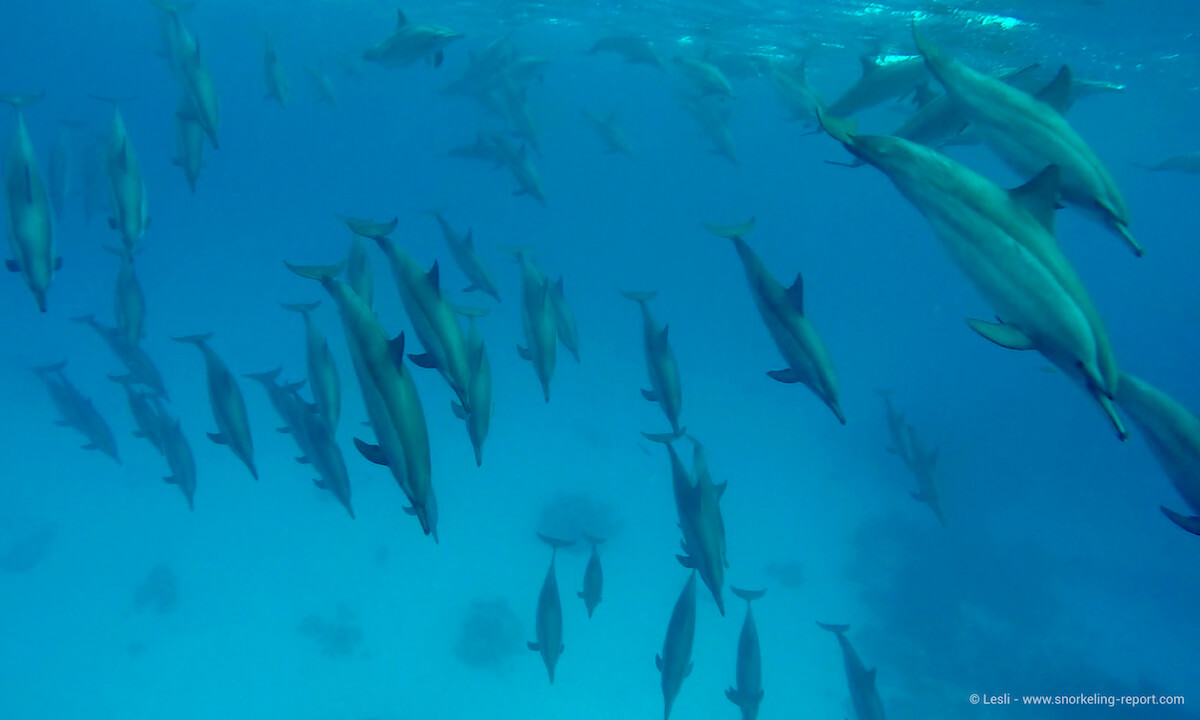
{"points": [[1001, 239]]}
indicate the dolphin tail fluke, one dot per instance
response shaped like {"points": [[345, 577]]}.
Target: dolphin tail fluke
{"points": [[267, 377], [302, 308], [747, 595], [53, 368], [1191, 524], [126, 380], [200, 339], [835, 629], [371, 229], [593, 539], [639, 296], [316, 272], [665, 438], [112, 100], [470, 312], [730, 232], [85, 319], [556, 543], [517, 252], [20, 101]]}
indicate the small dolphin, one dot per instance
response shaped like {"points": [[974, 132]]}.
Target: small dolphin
{"points": [[202, 104], [593, 577], [897, 429], [322, 85], [564, 318], [537, 321], [129, 299], [134, 357], [675, 662], [712, 115], [462, 249], [1188, 163], [882, 79], [189, 143], [795, 93], [635, 49], [783, 313], [322, 372], [78, 411], [30, 217], [529, 180], [666, 388], [705, 77], [864, 696], [549, 613], [748, 692], [180, 458], [615, 142], [228, 405], [151, 426], [922, 463], [480, 417], [1173, 434], [358, 271], [126, 186], [410, 42], [277, 82]]}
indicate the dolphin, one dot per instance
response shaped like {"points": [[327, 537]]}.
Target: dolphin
{"points": [[1188, 163], [882, 79], [529, 180], [1030, 133], [615, 142], [178, 42], [794, 92], [322, 372], [358, 271], [782, 311], [548, 626], [480, 417], [923, 463], [537, 321], [712, 115], [593, 577], [228, 405], [635, 49], [462, 249], [898, 434], [202, 106], [150, 425], [277, 82], [486, 149], [126, 186], [389, 394], [78, 411], [1004, 242], [705, 77], [433, 319], [748, 693], [564, 318], [666, 388], [30, 218], [189, 143], [410, 42], [675, 662], [1173, 434], [484, 69], [180, 459], [129, 300], [864, 696], [322, 85], [516, 113], [133, 357]]}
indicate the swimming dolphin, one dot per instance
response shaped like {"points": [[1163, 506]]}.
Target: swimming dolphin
{"points": [[129, 300], [202, 106], [1029, 133], [433, 319], [635, 49], [30, 217], [564, 318], [922, 463], [792, 89], [529, 180], [410, 42], [705, 77], [675, 662], [615, 142], [882, 79], [358, 271], [126, 186], [666, 388], [322, 372], [480, 417], [748, 692], [898, 436], [782, 311], [277, 82], [712, 115], [864, 696], [151, 426], [322, 85], [1173, 434], [228, 405], [78, 411], [537, 321], [462, 249], [548, 626], [389, 394], [133, 357], [180, 459], [1004, 242], [1188, 163], [189, 143], [593, 577]]}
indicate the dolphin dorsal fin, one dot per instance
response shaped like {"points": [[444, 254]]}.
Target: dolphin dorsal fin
{"points": [[401, 21], [662, 337], [469, 240], [396, 349], [868, 64], [1058, 93], [1040, 196], [795, 293], [434, 277], [871, 676]]}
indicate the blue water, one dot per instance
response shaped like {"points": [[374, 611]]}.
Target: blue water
{"points": [[1056, 573]]}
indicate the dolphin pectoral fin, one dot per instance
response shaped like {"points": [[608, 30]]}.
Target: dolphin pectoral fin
{"points": [[171, 480], [370, 452], [658, 662], [471, 288], [319, 484], [734, 697], [687, 561], [91, 446], [410, 511], [524, 353], [283, 430], [534, 646], [1191, 524], [788, 376], [871, 676], [795, 293], [688, 671], [425, 360], [58, 263], [650, 395], [12, 266], [459, 411], [720, 489], [302, 460], [139, 434], [218, 438], [1005, 336], [438, 57], [579, 594], [917, 496]]}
